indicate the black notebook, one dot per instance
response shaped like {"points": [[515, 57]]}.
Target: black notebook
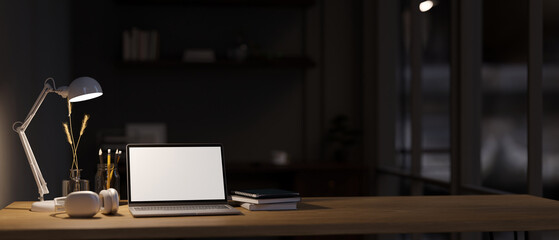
{"points": [[266, 193]]}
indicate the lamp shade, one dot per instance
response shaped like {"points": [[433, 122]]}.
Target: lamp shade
{"points": [[84, 88]]}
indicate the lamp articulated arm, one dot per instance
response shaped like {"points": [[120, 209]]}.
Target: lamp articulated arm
{"points": [[20, 128], [41, 183]]}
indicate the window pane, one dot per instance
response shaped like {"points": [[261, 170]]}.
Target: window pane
{"points": [[551, 100], [504, 74], [435, 74]]}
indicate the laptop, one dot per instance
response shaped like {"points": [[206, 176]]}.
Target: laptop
{"points": [[176, 180]]}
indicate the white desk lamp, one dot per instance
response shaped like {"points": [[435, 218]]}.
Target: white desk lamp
{"points": [[81, 89]]}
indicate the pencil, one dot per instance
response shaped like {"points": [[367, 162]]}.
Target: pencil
{"points": [[108, 167], [119, 152], [117, 157], [100, 156]]}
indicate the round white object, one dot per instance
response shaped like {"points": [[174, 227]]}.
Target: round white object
{"points": [[82, 204]]}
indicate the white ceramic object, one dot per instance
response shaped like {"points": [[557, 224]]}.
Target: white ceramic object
{"points": [[109, 201], [82, 204]]}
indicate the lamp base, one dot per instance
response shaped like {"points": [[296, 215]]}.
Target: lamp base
{"points": [[44, 206]]}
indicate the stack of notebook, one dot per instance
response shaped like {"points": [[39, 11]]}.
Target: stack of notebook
{"points": [[266, 199]]}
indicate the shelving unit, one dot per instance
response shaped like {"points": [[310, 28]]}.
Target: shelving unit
{"points": [[169, 59], [292, 3], [287, 62], [252, 106]]}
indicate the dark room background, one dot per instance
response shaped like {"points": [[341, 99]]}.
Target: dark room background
{"points": [[297, 92], [329, 85]]}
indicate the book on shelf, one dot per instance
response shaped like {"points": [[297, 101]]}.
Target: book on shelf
{"points": [[140, 45], [270, 207], [266, 193], [199, 55]]}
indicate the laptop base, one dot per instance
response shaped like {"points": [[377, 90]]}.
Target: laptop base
{"points": [[183, 210]]}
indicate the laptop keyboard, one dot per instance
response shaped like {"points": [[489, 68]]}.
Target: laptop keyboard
{"points": [[181, 208]]}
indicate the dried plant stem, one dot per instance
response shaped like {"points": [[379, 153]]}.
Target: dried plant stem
{"points": [[68, 129], [74, 161], [69, 107], [84, 125]]}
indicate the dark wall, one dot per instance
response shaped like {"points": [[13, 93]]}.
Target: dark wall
{"points": [[251, 109], [35, 45]]}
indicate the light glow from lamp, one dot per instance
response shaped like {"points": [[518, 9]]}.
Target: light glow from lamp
{"points": [[426, 5], [85, 97]]}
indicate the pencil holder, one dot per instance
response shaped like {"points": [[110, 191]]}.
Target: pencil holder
{"points": [[106, 178]]}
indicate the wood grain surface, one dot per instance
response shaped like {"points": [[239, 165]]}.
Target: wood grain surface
{"points": [[315, 216]]}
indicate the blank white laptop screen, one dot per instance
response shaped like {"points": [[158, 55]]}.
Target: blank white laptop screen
{"points": [[178, 173]]}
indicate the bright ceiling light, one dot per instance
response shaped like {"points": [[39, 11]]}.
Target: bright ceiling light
{"points": [[426, 5]]}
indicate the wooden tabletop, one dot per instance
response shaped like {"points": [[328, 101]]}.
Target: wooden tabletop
{"points": [[315, 216]]}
